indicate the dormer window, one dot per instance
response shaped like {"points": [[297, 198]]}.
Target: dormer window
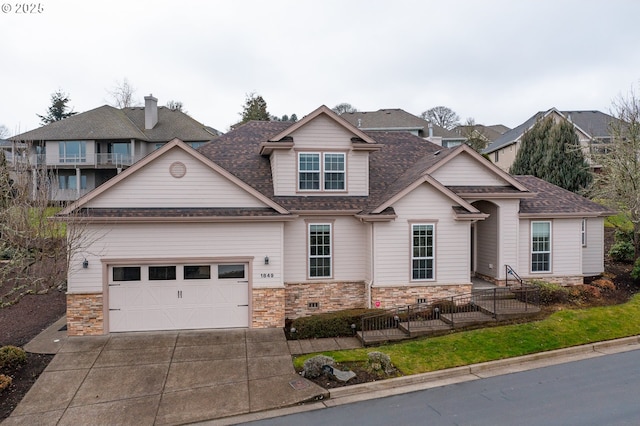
{"points": [[326, 175]]}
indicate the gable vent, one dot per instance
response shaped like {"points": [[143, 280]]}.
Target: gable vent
{"points": [[177, 169]]}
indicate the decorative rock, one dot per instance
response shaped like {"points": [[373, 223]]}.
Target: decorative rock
{"points": [[343, 376]]}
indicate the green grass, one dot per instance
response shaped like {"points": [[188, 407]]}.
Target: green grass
{"points": [[560, 330]]}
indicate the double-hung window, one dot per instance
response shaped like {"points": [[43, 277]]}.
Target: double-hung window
{"points": [[321, 171], [540, 246], [583, 232], [422, 251], [320, 250]]}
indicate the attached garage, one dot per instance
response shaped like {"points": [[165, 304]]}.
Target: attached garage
{"points": [[171, 296]]}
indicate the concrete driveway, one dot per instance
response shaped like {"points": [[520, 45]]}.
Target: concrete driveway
{"points": [[165, 378]]}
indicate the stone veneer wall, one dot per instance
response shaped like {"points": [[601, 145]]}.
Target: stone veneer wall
{"points": [[329, 296], [565, 280], [391, 297], [85, 316], [268, 306]]}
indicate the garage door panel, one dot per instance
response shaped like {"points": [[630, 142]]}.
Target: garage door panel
{"points": [[178, 304]]}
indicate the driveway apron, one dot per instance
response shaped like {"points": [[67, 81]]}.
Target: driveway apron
{"points": [[165, 378]]}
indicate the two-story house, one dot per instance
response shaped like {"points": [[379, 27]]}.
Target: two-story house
{"points": [[592, 128], [85, 150], [398, 120], [278, 220]]}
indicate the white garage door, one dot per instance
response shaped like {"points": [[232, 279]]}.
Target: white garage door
{"points": [[177, 297]]}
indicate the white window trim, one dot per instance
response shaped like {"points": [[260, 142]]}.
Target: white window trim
{"points": [[310, 256], [583, 232], [432, 257], [322, 170], [550, 252]]}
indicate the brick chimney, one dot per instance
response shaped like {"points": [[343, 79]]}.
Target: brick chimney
{"points": [[150, 112]]}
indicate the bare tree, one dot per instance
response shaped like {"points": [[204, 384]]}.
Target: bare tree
{"points": [[122, 94], [34, 250], [175, 106], [442, 116], [4, 131], [619, 181], [344, 108]]}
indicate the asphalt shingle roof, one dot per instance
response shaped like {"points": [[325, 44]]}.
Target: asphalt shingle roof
{"points": [[551, 199], [387, 119], [595, 123], [107, 122]]}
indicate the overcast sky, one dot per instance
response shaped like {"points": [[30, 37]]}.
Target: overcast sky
{"points": [[496, 61]]}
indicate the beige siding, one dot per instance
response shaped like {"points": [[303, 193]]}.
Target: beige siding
{"points": [[464, 169], [509, 225], [348, 236], [393, 241], [321, 135], [593, 253], [153, 186], [487, 240], [184, 241], [566, 249]]}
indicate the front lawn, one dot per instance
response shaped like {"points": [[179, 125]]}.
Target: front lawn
{"points": [[565, 328]]}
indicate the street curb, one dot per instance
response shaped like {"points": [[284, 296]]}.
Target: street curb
{"points": [[416, 382], [594, 349]]}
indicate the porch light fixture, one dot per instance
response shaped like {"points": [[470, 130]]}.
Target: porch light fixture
{"points": [[266, 260], [85, 263]]}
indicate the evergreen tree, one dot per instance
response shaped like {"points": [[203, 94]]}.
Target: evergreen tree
{"points": [[565, 164], [255, 108], [58, 109], [551, 151]]}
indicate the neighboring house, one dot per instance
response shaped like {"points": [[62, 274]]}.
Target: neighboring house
{"points": [[85, 150], [592, 128], [279, 220], [397, 120], [487, 134]]}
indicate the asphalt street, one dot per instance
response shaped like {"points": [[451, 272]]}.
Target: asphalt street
{"points": [[596, 391]]}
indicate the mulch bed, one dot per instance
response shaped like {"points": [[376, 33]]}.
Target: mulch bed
{"points": [[21, 323]]}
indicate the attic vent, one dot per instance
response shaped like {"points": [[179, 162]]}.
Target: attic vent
{"points": [[177, 169]]}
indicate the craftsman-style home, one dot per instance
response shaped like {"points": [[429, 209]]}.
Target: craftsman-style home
{"points": [[278, 220]]}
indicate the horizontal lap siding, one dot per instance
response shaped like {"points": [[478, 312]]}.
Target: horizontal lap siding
{"points": [[153, 186], [322, 135], [459, 169], [348, 249], [566, 248], [393, 240], [593, 253], [149, 241]]}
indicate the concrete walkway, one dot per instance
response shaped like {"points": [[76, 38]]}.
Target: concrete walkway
{"points": [[162, 377]]}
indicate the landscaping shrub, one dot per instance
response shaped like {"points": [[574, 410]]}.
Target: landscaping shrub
{"points": [[12, 356], [312, 367], [622, 251], [332, 324], [604, 284], [551, 293], [635, 272], [5, 382], [379, 362]]}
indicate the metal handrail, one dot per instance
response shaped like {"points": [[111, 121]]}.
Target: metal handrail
{"points": [[499, 298], [508, 270]]}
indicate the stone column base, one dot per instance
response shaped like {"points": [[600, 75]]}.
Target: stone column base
{"points": [[85, 315], [268, 307]]}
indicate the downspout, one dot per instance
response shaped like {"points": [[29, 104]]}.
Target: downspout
{"points": [[372, 265]]}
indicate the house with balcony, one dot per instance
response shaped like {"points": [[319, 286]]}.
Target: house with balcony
{"points": [[592, 127], [84, 151]]}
